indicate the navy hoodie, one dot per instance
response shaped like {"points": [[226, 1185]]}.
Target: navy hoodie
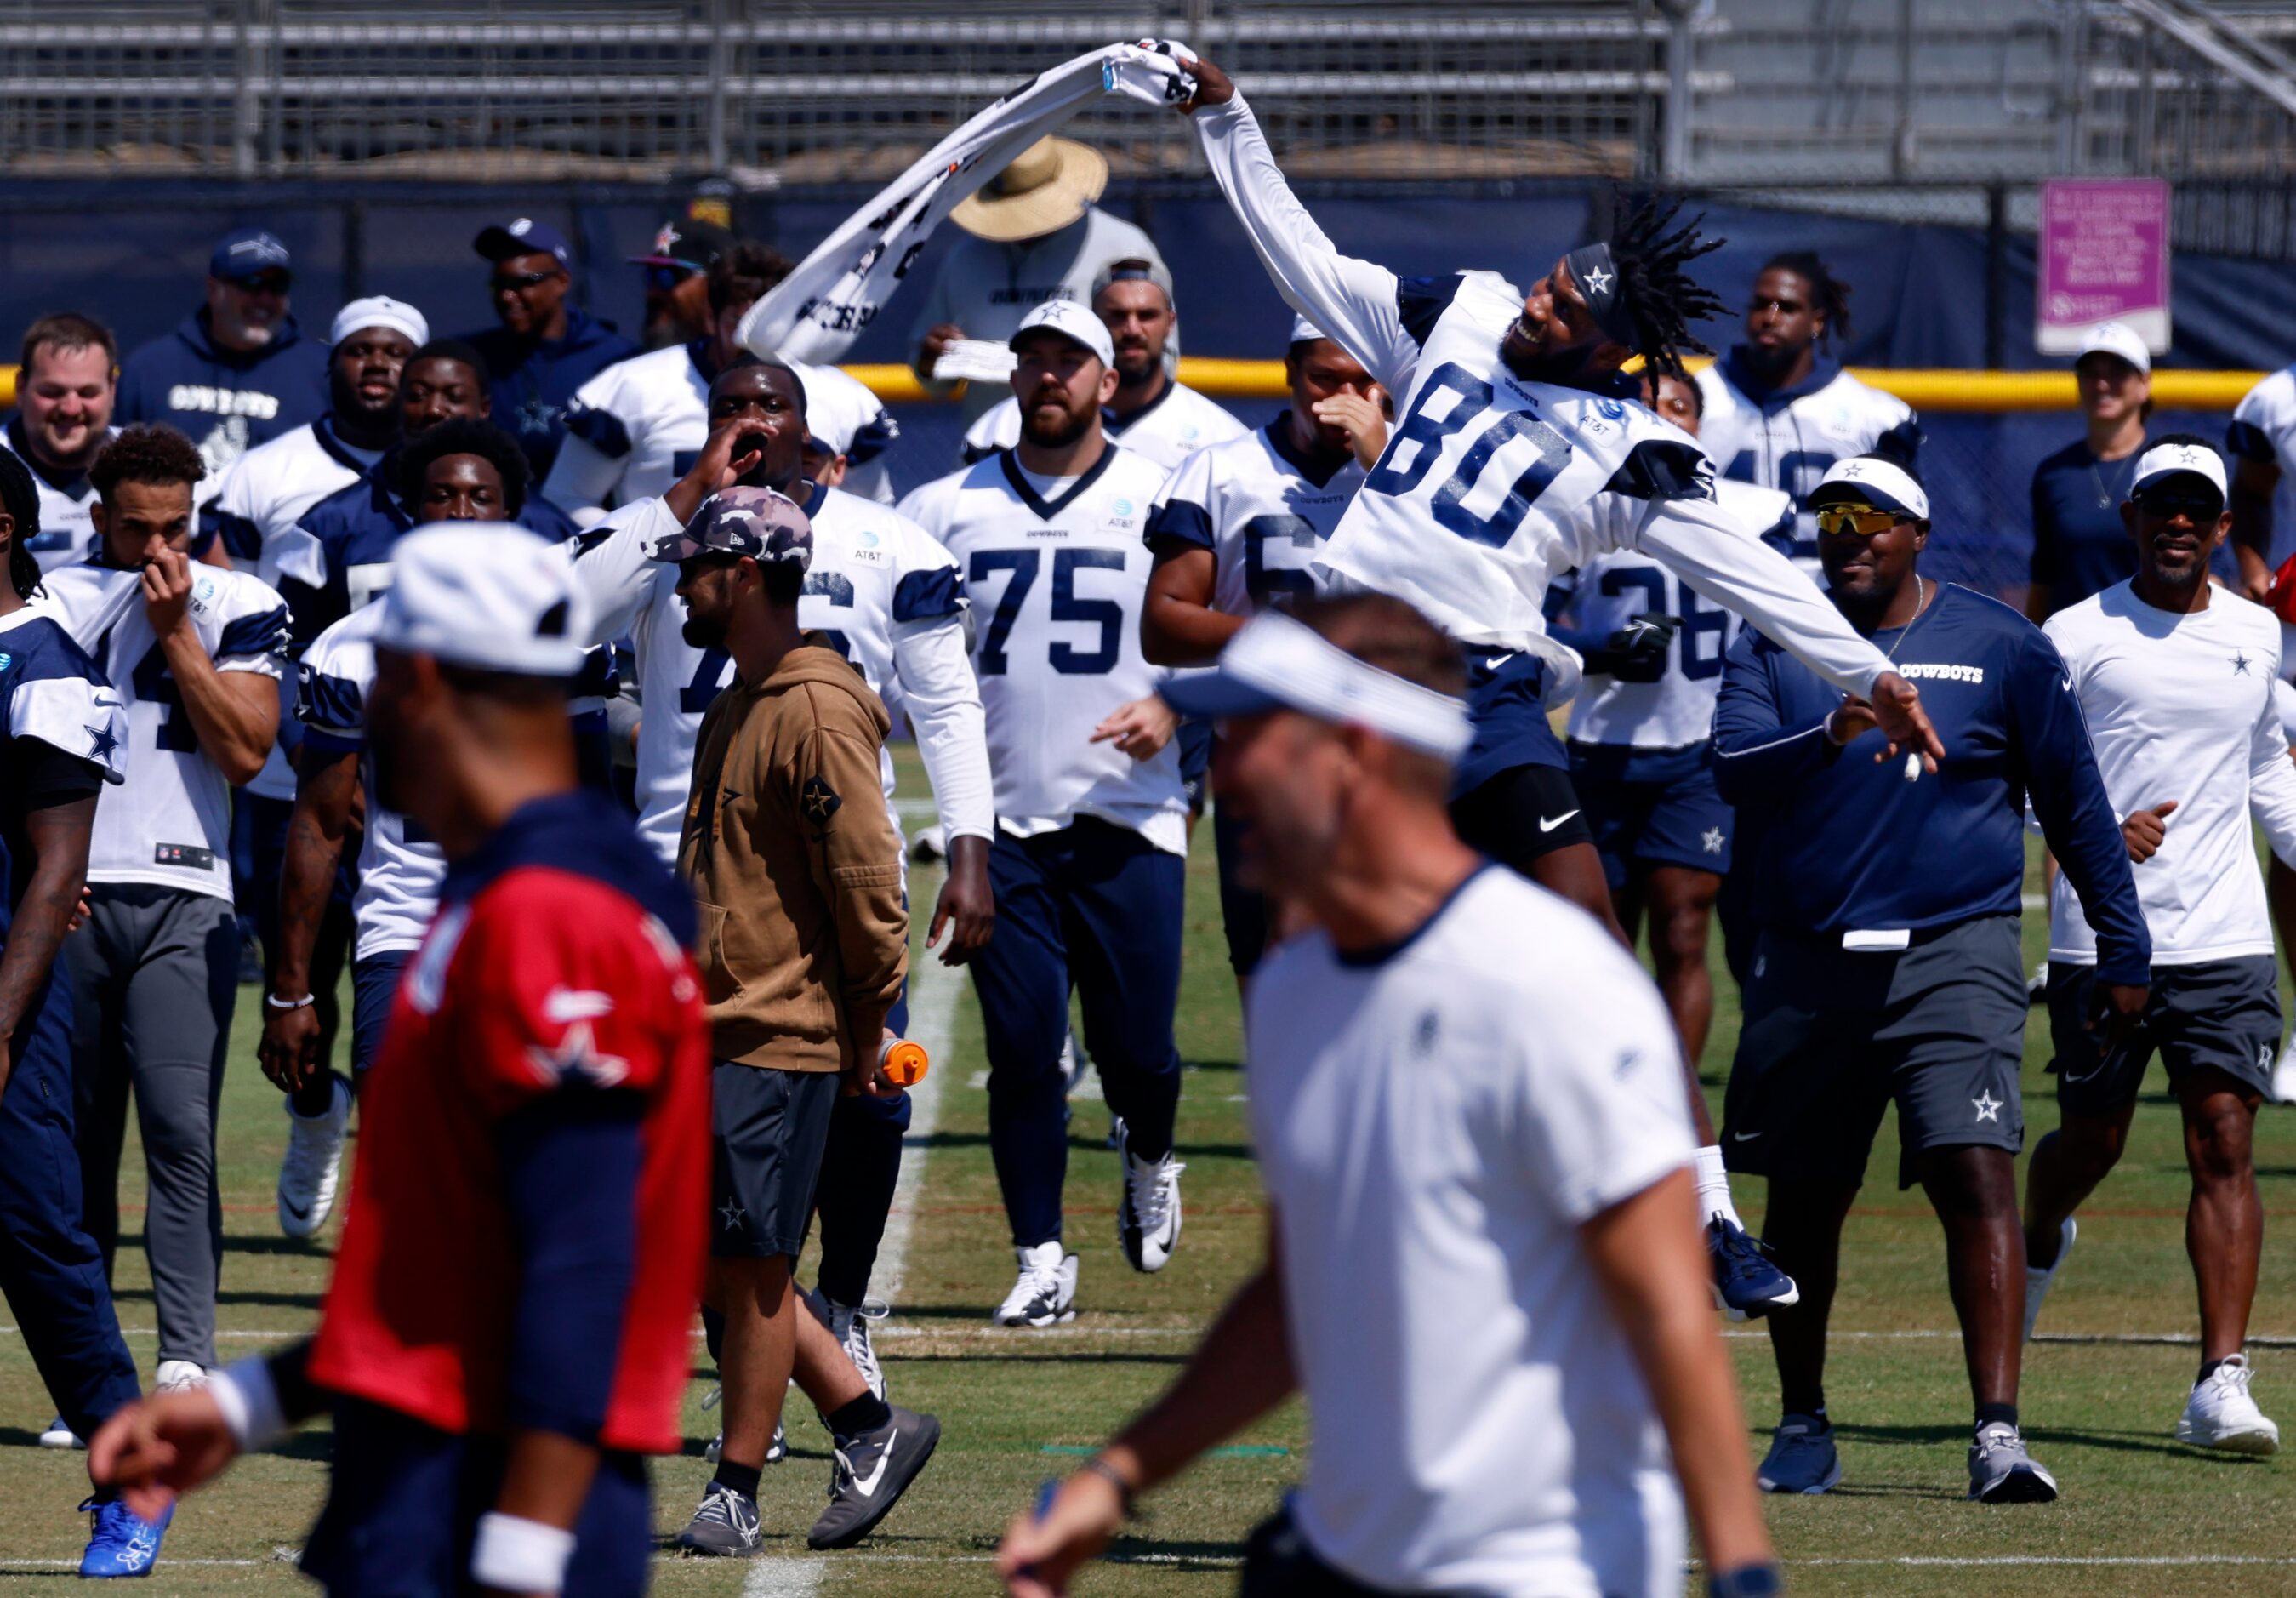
{"points": [[534, 378], [225, 400], [1846, 844]]}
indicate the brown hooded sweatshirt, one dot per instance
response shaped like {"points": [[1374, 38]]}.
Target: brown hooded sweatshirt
{"points": [[795, 863]]}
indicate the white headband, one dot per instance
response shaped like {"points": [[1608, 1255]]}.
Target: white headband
{"points": [[1275, 662]]}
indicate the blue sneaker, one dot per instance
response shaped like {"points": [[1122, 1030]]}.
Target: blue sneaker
{"points": [[1746, 1284], [1801, 1458], [121, 1543]]}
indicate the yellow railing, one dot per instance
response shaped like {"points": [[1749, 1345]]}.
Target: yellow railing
{"points": [[1932, 391]]}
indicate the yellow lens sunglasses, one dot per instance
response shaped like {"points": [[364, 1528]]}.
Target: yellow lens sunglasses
{"points": [[1864, 520]]}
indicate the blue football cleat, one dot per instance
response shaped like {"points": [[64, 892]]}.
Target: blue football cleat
{"points": [[1801, 1457], [1746, 1284], [121, 1542]]}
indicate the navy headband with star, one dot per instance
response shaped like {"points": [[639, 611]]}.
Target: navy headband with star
{"points": [[1596, 274]]}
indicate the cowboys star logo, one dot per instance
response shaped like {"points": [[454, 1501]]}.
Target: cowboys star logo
{"points": [[818, 801]]}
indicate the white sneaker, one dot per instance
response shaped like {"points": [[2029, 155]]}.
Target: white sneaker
{"points": [[2283, 1074], [776, 1451], [314, 1161], [1074, 1061], [60, 1435], [2221, 1414], [929, 845], [2036, 1283], [1148, 1217], [849, 1324], [179, 1376], [1044, 1295]]}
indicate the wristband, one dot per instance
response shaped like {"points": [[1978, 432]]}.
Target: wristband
{"points": [[1099, 1465], [1747, 1581], [519, 1555], [249, 1402], [274, 1001]]}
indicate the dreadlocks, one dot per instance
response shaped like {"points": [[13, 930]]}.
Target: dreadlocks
{"points": [[20, 498], [1829, 296], [1660, 296]]}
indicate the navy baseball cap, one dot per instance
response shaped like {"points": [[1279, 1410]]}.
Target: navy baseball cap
{"points": [[248, 253], [522, 236], [688, 242]]}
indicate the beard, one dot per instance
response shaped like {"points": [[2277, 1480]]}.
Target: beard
{"points": [[703, 632], [1071, 427]]}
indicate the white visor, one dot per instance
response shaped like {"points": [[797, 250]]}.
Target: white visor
{"points": [[2167, 460], [1875, 483], [1274, 662]]}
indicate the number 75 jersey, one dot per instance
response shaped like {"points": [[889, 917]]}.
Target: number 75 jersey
{"points": [[1056, 590]]}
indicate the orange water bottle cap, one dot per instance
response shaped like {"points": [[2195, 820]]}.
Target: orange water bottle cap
{"points": [[904, 1063]]}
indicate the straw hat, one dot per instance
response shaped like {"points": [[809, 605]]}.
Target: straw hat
{"points": [[1048, 187]]}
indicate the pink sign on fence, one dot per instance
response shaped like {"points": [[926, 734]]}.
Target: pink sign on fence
{"points": [[2104, 257]]}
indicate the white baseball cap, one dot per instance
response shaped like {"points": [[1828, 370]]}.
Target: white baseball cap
{"points": [[2171, 460], [380, 310], [487, 595], [2116, 338], [1877, 483], [1077, 324], [1302, 329]]}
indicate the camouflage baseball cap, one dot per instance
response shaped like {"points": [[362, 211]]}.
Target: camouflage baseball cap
{"points": [[767, 526]]}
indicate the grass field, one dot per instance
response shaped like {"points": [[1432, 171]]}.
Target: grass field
{"points": [[2103, 1386]]}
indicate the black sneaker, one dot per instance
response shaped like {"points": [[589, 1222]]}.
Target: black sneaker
{"points": [[873, 1469], [726, 1523]]}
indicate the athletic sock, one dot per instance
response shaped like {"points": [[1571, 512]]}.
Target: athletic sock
{"points": [[1714, 1186], [1987, 1413], [2208, 1368], [742, 1479], [865, 1413]]}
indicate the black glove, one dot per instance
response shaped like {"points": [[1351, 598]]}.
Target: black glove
{"points": [[1637, 652]]}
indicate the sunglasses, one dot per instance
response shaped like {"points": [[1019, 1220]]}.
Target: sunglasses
{"points": [[504, 284], [1864, 520], [2170, 503], [262, 282], [660, 279]]}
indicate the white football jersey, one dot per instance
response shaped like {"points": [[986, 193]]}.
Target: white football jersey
{"points": [[399, 867], [639, 425], [1411, 1198], [1251, 502], [1612, 589], [1788, 439], [170, 824], [66, 530], [2264, 424], [1490, 487], [1056, 589], [1173, 426], [879, 585], [257, 512], [2181, 707]]}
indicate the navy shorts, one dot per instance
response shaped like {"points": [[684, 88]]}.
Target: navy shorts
{"points": [[1652, 807], [1243, 911], [405, 1502], [2220, 1015], [1832, 1037], [1195, 741], [1508, 717], [374, 984], [772, 1128]]}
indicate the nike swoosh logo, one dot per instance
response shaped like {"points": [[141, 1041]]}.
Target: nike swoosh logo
{"points": [[109, 705], [299, 1211], [1549, 823], [1743, 1137], [867, 1486]]}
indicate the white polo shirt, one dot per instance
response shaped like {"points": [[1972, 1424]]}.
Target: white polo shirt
{"points": [[1432, 1128]]}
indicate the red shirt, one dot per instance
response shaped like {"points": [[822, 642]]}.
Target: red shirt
{"points": [[542, 973]]}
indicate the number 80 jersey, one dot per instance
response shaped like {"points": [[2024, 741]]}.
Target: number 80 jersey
{"points": [[1056, 589]]}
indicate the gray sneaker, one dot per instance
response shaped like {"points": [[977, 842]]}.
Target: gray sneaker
{"points": [[873, 1469], [726, 1523], [2000, 1470], [1801, 1457]]}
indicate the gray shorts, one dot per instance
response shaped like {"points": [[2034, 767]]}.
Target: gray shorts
{"points": [[2222, 1015], [1832, 1038], [772, 1128]]}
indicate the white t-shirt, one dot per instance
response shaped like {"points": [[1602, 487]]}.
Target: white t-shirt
{"points": [[2181, 707], [400, 869], [1056, 588], [67, 529], [879, 584], [1612, 589], [1171, 427], [639, 425], [170, 824], [259, 506], [1251, 502], [2264, 424], [1433, 1129]]}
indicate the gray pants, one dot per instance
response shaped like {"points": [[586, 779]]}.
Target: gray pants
{"points": [[154, 975]]}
